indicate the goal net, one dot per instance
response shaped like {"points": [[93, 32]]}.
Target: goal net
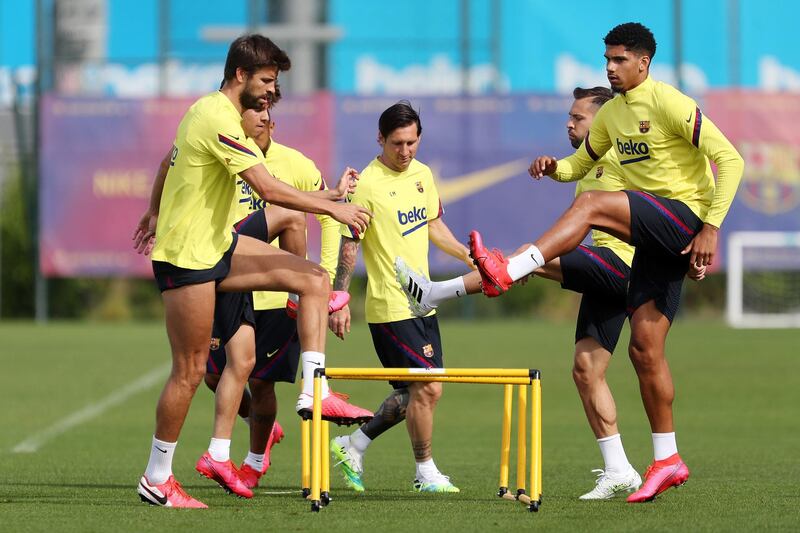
{"points": [[764, 280]]}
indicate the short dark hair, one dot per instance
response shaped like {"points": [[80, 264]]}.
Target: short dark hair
{"points": [[397, 116], [274, 98], [252, 52], [599, 95], [634, 37]]}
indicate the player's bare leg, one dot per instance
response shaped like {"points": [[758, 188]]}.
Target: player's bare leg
{"points": [[419, 421], [240, 358], [649, 328], [264, 432], [289, 226], [212, 380], [189, 312], [256, 265], [607, 211]]}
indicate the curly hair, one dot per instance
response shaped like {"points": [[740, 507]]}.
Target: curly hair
{"points": [[634, 37]]}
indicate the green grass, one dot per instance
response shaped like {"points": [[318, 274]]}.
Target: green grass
{"points": [[737, 415]]}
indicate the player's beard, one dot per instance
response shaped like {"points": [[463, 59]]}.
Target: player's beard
{"points": [[576, 143], [250, 101]]}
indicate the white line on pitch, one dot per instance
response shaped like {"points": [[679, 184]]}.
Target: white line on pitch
{"points": [[36, 441]]}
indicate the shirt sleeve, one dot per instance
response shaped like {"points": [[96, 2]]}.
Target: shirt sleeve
{"points": [[593, 147], [684, 117], [226, 142], [329, 227], [434, 202]]}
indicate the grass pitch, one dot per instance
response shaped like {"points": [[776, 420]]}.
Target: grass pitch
{"points": [[737, 416]]}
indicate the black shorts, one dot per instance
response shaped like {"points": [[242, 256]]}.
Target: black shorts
{"points": [[169, 276], [660, 229], [602, 277], [277, 348], [231, 309], [254, 225], [412, 343]]}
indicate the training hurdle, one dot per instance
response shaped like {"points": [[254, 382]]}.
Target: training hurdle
{"points": [[315, 469]]}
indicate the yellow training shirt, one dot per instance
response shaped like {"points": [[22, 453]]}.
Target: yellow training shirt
{"points": [[195, 216], [606, 175], [402, 204], [664, 143]]}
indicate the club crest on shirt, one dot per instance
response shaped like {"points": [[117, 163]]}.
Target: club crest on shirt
{"points": [[644, 126], [215, 343], [419, 187], [427, 351], [599, 172]]}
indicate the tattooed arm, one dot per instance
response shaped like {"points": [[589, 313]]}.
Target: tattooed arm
{"points": [[339, 322]]}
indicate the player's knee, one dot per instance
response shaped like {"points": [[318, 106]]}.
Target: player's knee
{"points": [[584, 371], [393, 409], [295, 220], [643, 354], [189, 371], [430, 393]]}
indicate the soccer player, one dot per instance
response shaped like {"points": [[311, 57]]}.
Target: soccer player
{"points": [[601, 273], [401, 193], [671, 215], [196, 254], [277, 351]]}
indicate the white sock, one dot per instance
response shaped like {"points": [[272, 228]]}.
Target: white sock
{"points": [[312, 361], [246, 420], [220, 449], [255, 460], [445, 290], [614, 454], [427, 469], [664, 445], [159, 467], [359, 441], [525, 263]]}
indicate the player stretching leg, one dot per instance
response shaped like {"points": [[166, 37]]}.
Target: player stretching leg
{"points": [[196, 254], [401, 192], [671, 216], [600, 272]]}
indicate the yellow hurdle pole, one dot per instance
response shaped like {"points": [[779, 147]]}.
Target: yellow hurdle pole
{"points": [[316, 443], [536, 442], [380, 374], [505, 441], [325, 496], [437, 378], [305, 457], [522, 438]]}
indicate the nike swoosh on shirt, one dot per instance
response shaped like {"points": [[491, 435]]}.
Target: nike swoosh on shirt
{"points": [[233, 136], [689, 119], [454, 189]]}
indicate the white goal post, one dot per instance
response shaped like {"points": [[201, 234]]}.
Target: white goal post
{"points": [[763, 288]]}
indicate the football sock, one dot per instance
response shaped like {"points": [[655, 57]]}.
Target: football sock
{"points": [[426, 469], [525, 263], [312, 361], [359, 441], [445, 290], [159, 467], [220, 449], [255, 460], [664, 445], [614, 454]]}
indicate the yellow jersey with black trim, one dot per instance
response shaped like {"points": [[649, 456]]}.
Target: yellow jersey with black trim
{"points": [[402, 204], [197, 203], [606, 175], [664, 144], [293, 168]]}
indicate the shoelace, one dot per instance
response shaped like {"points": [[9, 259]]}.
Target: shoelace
{"points": [[348, 456], [601, 476]]}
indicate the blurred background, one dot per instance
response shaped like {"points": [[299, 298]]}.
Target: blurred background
{"points": [[91, 92]]}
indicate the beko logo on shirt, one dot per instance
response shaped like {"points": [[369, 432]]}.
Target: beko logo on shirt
{"points": [[417, 214], [639, 150], [631, 147]]}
